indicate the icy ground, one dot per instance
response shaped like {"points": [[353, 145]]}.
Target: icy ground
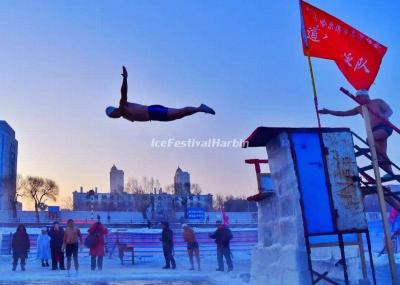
{"points": [[144, 272], [148, 270]]}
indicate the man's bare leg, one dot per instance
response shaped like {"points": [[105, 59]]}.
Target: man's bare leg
{"points": [[380, 138], [174, 114], [197, 254]]}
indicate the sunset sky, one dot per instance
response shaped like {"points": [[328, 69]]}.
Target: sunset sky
{"points": [[61, 64]]}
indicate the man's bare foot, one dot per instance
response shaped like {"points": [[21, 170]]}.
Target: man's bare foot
{"points": [[124, 72], [204, 108]]}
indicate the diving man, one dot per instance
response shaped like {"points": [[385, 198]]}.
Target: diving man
{"points": [[142, 113]]}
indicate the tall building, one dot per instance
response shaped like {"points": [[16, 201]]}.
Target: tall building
{"points": [[116, 180], [155, 205], [8, 170], [182, 182]]}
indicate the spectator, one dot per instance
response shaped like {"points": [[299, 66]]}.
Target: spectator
{"points": [[192, 245], [43, 247], [56, 240], [97, 231], [167, 238], [20, 247], [222, 237], [71, 242]]}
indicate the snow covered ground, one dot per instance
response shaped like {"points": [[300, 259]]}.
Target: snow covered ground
{"points": [[148, 270]]}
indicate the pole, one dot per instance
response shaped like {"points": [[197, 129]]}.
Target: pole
{"points": [[362, 255], [306, 49], [313, 87], [381, 197]]}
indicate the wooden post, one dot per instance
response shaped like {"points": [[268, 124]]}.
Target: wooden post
{"points": [[362, 255], [381, 197]]}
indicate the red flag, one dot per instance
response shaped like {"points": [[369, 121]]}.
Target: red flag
{"points": [[357, 55]]}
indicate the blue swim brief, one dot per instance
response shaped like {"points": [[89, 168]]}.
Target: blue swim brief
{"points": [[158, 113], [384, 127]]}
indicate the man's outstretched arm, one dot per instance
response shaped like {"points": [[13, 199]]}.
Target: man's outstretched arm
{"points": [[351, 112], [124, 87]]}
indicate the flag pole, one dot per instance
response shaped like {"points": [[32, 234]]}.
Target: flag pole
{"points": [[313, 87], [310, 67]]}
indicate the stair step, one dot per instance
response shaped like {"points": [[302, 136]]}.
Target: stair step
{"points": [[368, 190], [365, 168], [392, 178], [361, 151]]}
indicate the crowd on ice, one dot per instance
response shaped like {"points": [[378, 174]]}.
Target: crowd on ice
{"points": [[54, 243]]}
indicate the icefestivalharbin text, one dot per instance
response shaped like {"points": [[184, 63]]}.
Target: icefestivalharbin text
{"points": [[197, 143]]}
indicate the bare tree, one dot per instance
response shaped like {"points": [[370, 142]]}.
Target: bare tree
{"points": [[218, 201], [67, 203], [39, 190], [195, 189], [149, 184], [170, 189], [141, 189], [133, 186], [146, 185]]}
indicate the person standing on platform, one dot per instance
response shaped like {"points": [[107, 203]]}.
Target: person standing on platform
{"points": [[379, 115], [20, 245], [56, 241], [97, 252], [192, 245], [167, 239], [43, 247], [71, 243], [222, 237]]}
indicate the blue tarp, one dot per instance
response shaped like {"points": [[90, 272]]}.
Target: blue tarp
{"points": [[312, 180]]}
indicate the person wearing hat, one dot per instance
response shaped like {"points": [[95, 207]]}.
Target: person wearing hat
{"points": [[56, 234], [167, 239], [142, 113], [192, 245], [222, 237], [20, 245], [43, 247], [379, 115], [97, 252]]}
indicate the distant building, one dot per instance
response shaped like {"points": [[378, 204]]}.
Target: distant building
{"points": [[156, 205], [181, 182], [116, 180], [8, 170], [117, 201]]}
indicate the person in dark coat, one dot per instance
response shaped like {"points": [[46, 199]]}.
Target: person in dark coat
{"points": [[20, 247], [97, 253], [56, 240], [222, 237], [167, 239]]}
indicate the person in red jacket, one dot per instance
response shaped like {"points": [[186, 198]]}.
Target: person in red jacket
{"points": [[97, 252]]}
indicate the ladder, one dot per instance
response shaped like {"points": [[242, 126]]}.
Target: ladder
{"points": [[367, 179]]}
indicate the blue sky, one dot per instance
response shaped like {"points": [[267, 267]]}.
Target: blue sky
{"points": [[60, 66]]}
